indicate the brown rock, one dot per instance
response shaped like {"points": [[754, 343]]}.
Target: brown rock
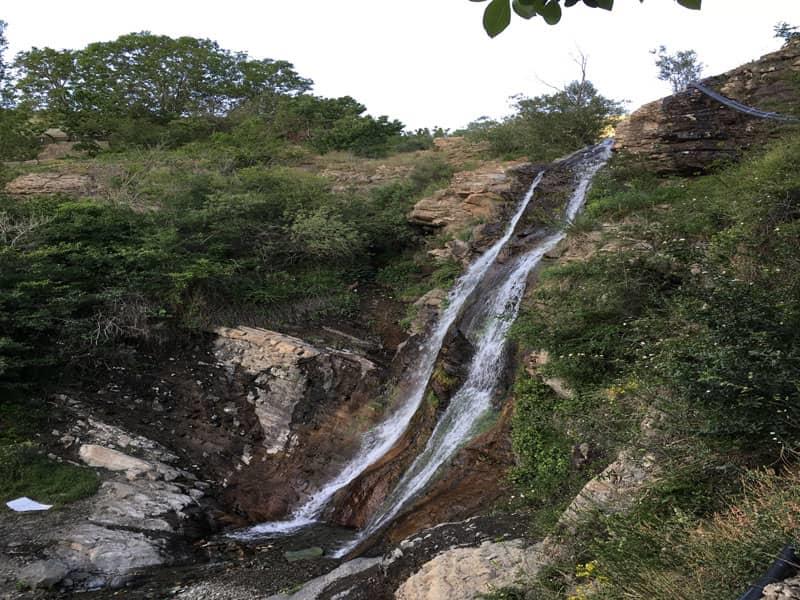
{"points": [[49, 184], [689, 132], [312, 405], [483, 194]]}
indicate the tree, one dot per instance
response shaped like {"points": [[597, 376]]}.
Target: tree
{"points": [[5, 83], [551, 125], [497, 15], [133, 90], [786, 32], [47, 79], [3, 48], [680, 68]]}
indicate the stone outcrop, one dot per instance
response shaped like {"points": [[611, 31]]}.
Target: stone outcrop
{"points": [[468, 572], [144, 512], [472, 198], [690, 132], [312, 404], [52, 183], [785, 590], [476, 478]]}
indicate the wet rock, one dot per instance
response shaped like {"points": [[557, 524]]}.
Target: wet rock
{"points": [[313, 589], [108, 554], [428, 308], [43, 574], [305, 554]]}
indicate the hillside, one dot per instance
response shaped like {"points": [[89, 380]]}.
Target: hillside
{"points": [[294, 351]]}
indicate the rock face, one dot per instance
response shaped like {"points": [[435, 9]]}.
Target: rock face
{"points": [[476, 478], [312, 404], [785, 590], [689, 132], [473, 197], [144, 513], [49, 184], [467, 572]]}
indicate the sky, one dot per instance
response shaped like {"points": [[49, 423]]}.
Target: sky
{"points": [[428, 62]]}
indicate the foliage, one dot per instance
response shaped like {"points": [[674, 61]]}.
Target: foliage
{"points": [[3, 67], [786, 32], [225, 245], [551, 125], [541, 447], [497, 15], [18, 135], [689, 311], [679, 69], [661, 552], [146, 90], [24, 471]]}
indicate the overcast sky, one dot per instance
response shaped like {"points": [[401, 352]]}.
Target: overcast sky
{"points": [[428, 62]]}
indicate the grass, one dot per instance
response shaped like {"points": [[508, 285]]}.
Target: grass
{"points": [[698, 322], [25, 471]]}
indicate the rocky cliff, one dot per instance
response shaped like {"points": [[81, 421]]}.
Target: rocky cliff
{"points": [[690, 132]]}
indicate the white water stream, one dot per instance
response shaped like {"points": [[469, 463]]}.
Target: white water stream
{"points": [[380, 440], [472, 400]]}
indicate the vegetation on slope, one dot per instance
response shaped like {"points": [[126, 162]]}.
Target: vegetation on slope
{"points": [[691, 311]]}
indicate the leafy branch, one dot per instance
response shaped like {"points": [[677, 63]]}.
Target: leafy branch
{"points": [[498, 13]]}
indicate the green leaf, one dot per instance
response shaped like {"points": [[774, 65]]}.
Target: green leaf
{"points": [[693, 4], [523, 10], [551, 12], [605, 4], [497, 17]]}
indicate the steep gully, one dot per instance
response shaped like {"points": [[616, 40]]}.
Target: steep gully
{"points": [[483, 304]]}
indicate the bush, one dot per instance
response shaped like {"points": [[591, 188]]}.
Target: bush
{"points": [[548, 126]]}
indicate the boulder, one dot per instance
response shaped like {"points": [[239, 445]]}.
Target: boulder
{"points": [[43, 574], [114, 460], [788, 589], [281, 365], [467, 572], [312, 405], [428, 307]]}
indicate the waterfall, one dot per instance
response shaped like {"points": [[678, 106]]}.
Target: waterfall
{"points": [[380, 440], [473, 399]]}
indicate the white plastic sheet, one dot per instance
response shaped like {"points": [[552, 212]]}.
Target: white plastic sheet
{"points": [[25, 504]]}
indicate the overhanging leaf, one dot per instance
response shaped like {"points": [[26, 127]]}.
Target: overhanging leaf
{"points": [[605, 4], [693, 4], [497, 17], [551, 12], [526, 11]]}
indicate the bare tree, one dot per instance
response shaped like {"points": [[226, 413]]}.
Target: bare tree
{"points": [[14, 229]]}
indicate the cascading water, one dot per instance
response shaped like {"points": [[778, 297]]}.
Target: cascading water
{"points": [[473, 399], [380, 440]]}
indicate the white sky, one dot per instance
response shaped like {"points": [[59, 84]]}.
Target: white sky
{"points": [[428, 62]]}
